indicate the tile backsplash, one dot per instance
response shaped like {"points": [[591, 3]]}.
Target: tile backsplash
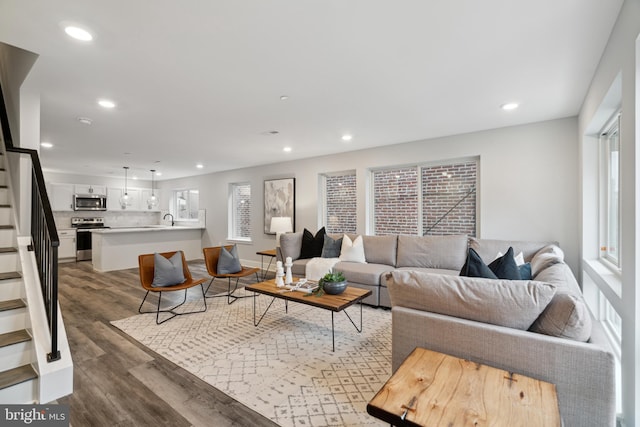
{"points": [[111, 219]]}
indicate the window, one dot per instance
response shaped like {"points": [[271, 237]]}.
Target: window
{"points": [[240, 211], [185, 205], [339, 214], [610, 193], [425, 200]]}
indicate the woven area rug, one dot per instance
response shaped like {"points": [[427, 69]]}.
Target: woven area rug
{"points": [[283, 368]]}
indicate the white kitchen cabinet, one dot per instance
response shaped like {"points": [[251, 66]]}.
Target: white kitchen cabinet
{"points": [[61, 197], [67, 248], [90, 189]]}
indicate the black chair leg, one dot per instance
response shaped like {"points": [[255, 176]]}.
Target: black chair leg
{"points": [[171, 310]]}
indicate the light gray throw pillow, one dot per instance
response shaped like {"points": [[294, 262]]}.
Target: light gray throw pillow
{"points": [[167, 272], [228, 261], [511, 303]]}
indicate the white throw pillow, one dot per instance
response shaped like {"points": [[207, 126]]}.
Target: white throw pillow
{"points": [[352, 251]]}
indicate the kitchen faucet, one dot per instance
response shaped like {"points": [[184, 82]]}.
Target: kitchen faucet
{"points": [[165, 216]]}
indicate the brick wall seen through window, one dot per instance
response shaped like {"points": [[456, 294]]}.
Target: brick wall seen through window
{"points": [[340, 203], [396, 201], [241, 211]]}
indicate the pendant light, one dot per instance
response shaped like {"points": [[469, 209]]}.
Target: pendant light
{"points": [[152, 201], [125, 200]]}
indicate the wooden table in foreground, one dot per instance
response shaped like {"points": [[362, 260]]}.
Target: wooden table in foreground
{"points": [[433, 389], [333, 303]]}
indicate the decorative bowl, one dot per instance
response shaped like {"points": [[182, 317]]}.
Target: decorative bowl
{"points": [[334, 288]]}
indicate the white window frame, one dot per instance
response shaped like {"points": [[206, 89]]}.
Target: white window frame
{"points": [[232, 213], [611, 260], [175, 202]]}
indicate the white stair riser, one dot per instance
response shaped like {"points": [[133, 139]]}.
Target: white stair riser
{"points": [[16, 355], [5, 216], [13, 320], [25, 392], [4, 196], [11, 289], [8, 262], [8, 238]]}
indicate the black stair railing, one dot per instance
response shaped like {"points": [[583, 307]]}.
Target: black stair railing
{"points": [[44, 235]]}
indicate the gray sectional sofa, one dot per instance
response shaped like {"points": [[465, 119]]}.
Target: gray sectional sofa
{"points": [[540, 328]]}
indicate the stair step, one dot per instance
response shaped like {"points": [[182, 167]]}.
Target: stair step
{"points": [[4, 205], [6, 227], [16, 376], [11, 304], [14, 337], [10, 275], [8, 250]]}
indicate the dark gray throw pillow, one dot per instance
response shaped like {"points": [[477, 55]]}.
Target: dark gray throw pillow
{"points": [[167, 272], [475, 267], [331, 247], [229, 262], [505, 267]]}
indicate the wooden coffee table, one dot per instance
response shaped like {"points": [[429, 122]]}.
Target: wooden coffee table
{"points": [[333, 303], [434, 389]]}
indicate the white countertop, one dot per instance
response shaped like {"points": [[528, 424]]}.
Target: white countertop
{"points": [[145, 228]]}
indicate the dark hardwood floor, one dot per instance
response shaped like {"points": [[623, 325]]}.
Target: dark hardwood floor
{"points": [[118, 382]]}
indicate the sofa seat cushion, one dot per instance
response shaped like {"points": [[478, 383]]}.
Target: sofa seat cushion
{"points": [[448, 252], [429, 270], [366, 274], [299, 267], [567, 315], [511, 303]]}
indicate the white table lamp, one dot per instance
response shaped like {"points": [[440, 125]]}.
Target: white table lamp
{"points": [[280, 225]]}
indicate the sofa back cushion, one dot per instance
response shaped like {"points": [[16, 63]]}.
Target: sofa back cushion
{"points": [[489, 248], [567, 315], [381, 249], [510, 303], [447, 252]]}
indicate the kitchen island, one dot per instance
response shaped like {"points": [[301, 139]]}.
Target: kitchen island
{"points": [[118, 248]]}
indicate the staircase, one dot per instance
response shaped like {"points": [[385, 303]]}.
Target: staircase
{"points": [[18, 378]]}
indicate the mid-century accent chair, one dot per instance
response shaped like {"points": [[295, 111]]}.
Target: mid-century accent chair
{"points": [[211, 256]]}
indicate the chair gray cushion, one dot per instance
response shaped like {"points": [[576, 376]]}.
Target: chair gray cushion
{"points": [[366, 274], [228, 262], [167, 271], [510, 303], [448, 252]]}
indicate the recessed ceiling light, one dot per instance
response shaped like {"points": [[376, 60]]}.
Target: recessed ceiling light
{"points": [[106, 103], [199, 165], [347, 137], [134, 177], [78, 33], [509, 106], [284, 98], [46, 144], [158, 173], [287, 149], [85, 120]]}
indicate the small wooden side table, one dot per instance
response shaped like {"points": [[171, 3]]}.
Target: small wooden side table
{"points": [[434, 389], [270, 253]]}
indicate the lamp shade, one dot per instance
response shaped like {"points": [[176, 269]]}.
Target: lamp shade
{"points": [[279, 225]]}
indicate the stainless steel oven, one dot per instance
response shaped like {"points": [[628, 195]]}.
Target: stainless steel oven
{"points": [[84, 226], [89, 202]]}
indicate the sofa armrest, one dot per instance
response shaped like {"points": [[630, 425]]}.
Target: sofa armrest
{"points": [[584, 373]]}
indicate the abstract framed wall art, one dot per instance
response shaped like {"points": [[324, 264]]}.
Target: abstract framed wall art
{"points": [[279, 200]]}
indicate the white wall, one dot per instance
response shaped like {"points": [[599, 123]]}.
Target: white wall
{"points": [[620, 58], [528, 186]]}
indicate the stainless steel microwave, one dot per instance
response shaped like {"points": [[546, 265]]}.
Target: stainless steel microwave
{"points": [[89, 202]]}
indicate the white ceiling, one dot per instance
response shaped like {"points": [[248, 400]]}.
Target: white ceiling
{"points": [[200, 81]]}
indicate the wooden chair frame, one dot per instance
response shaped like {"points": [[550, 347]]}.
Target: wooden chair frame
{"points": [[146, 266], [211, 256]]}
